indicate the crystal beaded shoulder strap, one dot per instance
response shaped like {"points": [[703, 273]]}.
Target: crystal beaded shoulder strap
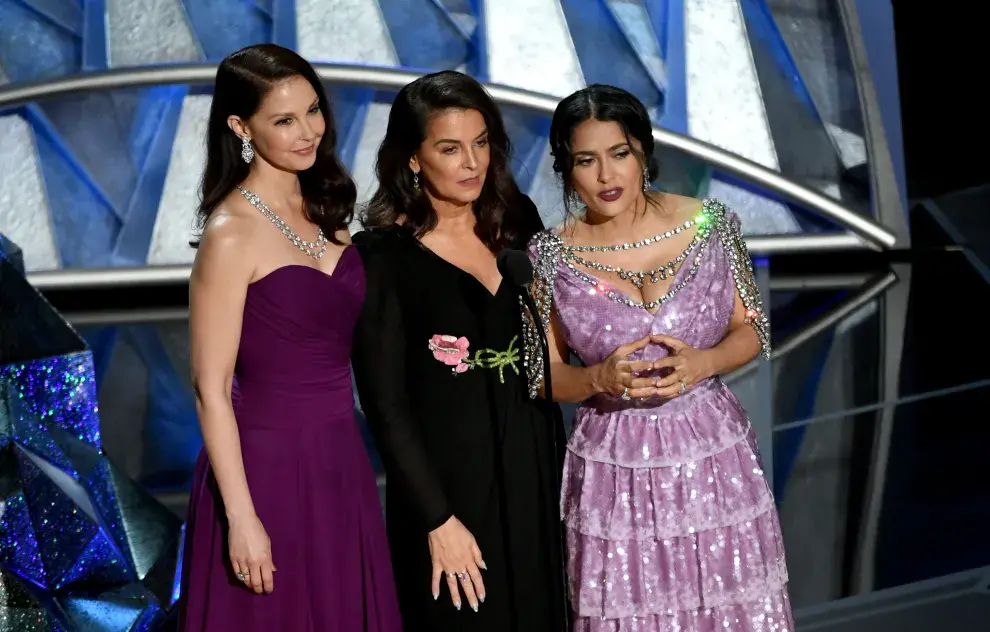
{"points": [[728, 229], [314, 249], [548, 248]]}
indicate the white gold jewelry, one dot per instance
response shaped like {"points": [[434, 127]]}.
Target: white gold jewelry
{"points": [[416, 181], [247, 151], [314, 249], [625, 394], [683, 386], [646, 179]]}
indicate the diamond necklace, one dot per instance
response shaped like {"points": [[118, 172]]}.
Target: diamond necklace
{"points": [[642, 242], [638, 277], [314, 249], [700, 243]]}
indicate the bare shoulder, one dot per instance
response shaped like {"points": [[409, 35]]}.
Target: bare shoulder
{"points": [[679, 207], [227, 246]]}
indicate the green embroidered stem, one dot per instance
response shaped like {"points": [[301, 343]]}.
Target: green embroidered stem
{"points": [[491, 359]]}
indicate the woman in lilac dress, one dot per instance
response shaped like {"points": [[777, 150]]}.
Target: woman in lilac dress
{"points": [[670, 522], [284, 481]]}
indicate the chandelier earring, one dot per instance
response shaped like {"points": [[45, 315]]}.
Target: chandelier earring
{"points": [[646, 179], [247, 151], [416, 181]]}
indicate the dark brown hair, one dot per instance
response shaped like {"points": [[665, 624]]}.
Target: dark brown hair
{"points": [[501, 208], [606, 104], [243, 81]]}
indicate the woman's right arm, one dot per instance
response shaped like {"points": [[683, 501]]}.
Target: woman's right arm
{"points": [[217, 291], [575, 384]]}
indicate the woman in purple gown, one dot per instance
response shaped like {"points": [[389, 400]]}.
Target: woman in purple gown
{"points": [[670, 522], [284, 481]]}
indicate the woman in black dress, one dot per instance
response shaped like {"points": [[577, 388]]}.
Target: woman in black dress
{"points": [[472, 462]]}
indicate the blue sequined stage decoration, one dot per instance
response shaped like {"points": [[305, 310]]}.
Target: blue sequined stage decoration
{"points": [[82, 547]]}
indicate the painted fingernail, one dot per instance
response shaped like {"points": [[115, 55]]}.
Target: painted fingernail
{"points": [[436, 596], [457, 605], [474, 607], [483, 566], [482, 598]]}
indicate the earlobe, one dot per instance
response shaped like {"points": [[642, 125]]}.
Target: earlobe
{"points": [[414, 164]]}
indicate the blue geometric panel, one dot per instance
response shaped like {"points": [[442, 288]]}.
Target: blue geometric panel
{"points": [[26, 609], [12, 253], [224, 26], [606, 53], [149, 149], [19, 552], [34, 43], [130, 608], [119, 143], [438, 41], [350, 105], [667, 18], [529, 132], [83, 218], [62, 530], [172, 421], [76, 537], [67, 15], [803, 145]]}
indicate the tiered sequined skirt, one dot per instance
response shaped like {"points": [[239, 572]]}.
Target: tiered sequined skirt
{"points": [[671, 525]]}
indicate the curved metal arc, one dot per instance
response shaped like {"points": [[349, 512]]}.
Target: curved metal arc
{"points": [[176, 274], [394, 79]]}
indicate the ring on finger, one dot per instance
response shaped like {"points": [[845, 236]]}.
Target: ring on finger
{"points": [[243, 576], [625, 394], [683, 386], [464, 577]]}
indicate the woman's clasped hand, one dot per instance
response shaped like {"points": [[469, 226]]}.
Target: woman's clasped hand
{"points": [[683, 367]]}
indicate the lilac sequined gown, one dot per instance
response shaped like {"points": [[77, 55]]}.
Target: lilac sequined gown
{"points": [[670, 523]]}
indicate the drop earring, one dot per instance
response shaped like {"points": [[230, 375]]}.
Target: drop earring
{"points": [[416, 181], [646, 179], [247, 151]]}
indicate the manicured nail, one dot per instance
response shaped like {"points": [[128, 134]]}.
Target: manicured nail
{"points": [[483, 566], [474, 607], [436, 596], [457, 605]]}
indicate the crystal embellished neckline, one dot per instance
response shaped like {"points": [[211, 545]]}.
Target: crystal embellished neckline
{"points": [[639, 277], [648, 241], [314, 249]]}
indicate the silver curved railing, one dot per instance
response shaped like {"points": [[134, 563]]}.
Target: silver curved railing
{"points": [[864, 232]]}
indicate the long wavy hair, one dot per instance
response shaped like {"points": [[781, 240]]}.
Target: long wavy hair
{"points": [[606, 104], [243, 81], [500, 210]]}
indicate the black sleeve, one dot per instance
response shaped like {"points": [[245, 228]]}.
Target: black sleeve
{"points": [[532, 223], [379, 365]]}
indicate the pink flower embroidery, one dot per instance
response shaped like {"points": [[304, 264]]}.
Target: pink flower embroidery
{"points": [[452, 351]]}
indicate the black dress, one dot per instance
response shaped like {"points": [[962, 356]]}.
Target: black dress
{"points": [[470, 444]]}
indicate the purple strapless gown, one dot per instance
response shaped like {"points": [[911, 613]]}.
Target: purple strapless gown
{"points": [[671, 525], [310, 476]]}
